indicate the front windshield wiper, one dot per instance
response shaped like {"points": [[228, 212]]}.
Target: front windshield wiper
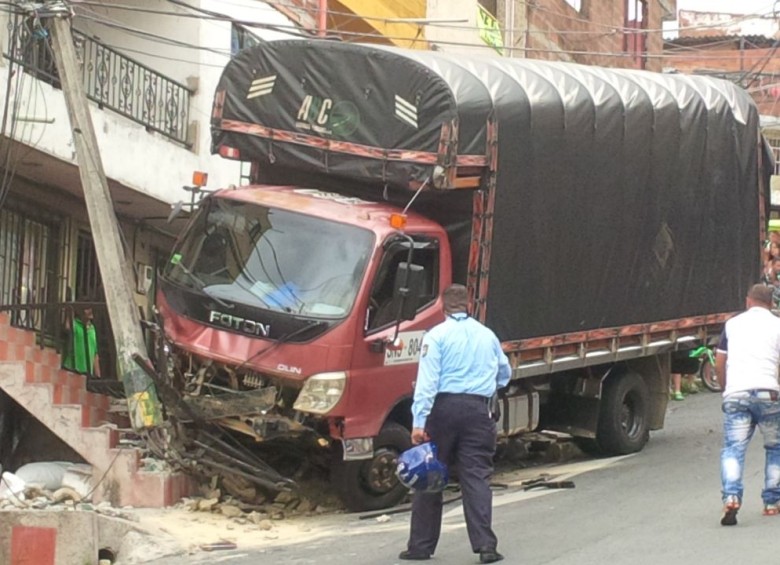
{"points": [[201, 286]]}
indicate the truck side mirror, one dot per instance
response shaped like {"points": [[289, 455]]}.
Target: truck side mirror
{"points": [[407, 287]]}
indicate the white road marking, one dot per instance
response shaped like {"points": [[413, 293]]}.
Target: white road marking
{"points": [[559, 473]]}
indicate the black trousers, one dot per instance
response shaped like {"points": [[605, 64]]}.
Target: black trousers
{"points": [[462, 428]]}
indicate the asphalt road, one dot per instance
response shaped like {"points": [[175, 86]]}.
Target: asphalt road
{"points": [[659, 506]]}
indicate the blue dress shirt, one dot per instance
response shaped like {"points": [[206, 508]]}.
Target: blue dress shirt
{"points": [[460, 355]]}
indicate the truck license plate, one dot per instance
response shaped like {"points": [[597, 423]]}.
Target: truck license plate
{"points": [[408, 351]]}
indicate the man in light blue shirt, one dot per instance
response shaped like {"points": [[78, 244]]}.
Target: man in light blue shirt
{"points": [[461, 367]]}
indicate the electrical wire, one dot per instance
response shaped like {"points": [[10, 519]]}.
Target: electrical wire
{"points": [[293, 29], [757, 73], [161, 38], [573, 52], [528, 3], [36, 84], [206, 14], [212, 16], [9, 164]]}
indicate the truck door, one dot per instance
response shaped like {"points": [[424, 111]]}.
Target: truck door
{"points": [[377, 418], [387, 370], [382, 310]]}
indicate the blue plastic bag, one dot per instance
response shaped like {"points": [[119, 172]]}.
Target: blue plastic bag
{"points": [[419, 469]]}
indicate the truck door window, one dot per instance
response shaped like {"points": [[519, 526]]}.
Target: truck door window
{"points": [[381, 312]]}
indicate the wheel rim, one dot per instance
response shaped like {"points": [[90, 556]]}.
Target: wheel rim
{"points": [[379, 473], [710, 378], [630, 418]]}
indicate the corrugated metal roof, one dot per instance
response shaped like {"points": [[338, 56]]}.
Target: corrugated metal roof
{"points": [[751, 41]]}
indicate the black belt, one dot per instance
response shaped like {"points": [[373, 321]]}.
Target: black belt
{"points": [[464, 395]]}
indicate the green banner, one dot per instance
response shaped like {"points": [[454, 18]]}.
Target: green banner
{"points": [[489, 30]]}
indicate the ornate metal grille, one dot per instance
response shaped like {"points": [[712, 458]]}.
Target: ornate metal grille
{"points": [[112, 80]]}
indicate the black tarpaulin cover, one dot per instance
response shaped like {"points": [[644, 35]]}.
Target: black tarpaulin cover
{"points": [[622, 196]]}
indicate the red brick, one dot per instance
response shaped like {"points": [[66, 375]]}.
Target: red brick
{"points": [[52, 358], [29, 373], [78, 396], [59, 378], [37, 355], [59, 394], [113, 438], [33, 545], [19, 352], [73, 379], [43, 374], [86, 417], [3, 350], [101, 401], [555, 22], [92, 417], [12, 334], [28, 338]]}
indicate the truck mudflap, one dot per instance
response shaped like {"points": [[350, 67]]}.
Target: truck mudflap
{"points": [[196, 439]]}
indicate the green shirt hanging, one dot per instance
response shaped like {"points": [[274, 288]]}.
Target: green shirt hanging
{"points": [[82, 348]]}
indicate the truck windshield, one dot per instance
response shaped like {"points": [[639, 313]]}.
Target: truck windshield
{"points": [[271, 258]]}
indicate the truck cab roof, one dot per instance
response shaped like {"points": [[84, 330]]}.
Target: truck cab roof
{"points": [[374, 216]]}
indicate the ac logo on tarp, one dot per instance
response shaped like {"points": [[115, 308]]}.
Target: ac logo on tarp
{"points": [[326, 117], [315, 110]]}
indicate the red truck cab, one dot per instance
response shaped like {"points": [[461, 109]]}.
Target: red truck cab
{"points": [[294, 288]]}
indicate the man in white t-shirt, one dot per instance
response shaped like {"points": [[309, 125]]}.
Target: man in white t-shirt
{"points": [[747, 361]]}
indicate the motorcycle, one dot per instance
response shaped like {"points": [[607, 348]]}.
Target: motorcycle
{"points": [[706, 372]]}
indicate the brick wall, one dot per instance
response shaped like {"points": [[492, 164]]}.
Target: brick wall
{"points": [[758, 70], [594, 35]]}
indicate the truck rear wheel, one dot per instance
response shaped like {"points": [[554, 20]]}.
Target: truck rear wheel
{"points": [[622, 428], [371, 484]]}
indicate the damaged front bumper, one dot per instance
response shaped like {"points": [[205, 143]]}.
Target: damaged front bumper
{"points": [[251, 412]]}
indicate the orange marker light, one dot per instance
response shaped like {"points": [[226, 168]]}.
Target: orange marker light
{"points": [[199, 178], [398, 221]]}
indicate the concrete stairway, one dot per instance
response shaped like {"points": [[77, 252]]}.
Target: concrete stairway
{"points": [[59, 400]]}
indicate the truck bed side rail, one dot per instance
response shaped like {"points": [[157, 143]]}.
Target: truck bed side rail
{"points": [[544, 355]]}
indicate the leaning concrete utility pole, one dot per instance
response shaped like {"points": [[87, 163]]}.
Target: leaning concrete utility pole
{"points": [[115, 270]]}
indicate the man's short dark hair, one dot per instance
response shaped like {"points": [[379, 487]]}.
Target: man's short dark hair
{"points": [[761, 293], [456, 298]]}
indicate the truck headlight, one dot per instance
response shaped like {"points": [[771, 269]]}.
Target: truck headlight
{"points": [[321, 392]]}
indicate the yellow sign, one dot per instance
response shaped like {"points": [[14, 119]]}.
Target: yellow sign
{"points": [[489, 30]]}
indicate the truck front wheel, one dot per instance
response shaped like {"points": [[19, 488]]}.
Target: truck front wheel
{"points": [[371, 484], [623, 425]]}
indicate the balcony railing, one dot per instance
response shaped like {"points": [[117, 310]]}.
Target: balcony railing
{"points": [[112, 80]]}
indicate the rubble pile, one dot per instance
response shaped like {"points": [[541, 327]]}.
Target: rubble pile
{"points": [[63, 499], [264, 509], [45, 485]]}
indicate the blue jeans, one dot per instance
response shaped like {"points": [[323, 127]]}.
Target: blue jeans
{"points": [[743, 411]]}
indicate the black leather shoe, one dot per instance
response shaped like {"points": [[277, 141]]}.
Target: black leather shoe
{"points": [[411, 555], [490, 556]]}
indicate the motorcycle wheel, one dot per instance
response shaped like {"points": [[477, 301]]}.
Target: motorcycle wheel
{"points": [[708, 376]]}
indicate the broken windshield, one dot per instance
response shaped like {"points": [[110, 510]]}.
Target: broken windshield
{"points": [[271, 258]]}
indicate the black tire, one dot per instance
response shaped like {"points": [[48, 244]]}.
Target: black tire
{"points": [[588, 446], [708, 376], [623, 425], [371, 484]]}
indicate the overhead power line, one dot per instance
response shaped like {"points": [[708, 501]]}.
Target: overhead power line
{"points": [[358, 35], [217, 16]]}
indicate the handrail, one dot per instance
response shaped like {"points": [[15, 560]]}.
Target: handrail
{"points": [[112, 80]]}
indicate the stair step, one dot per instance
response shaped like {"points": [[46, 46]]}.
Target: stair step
{"points": [[94, 425]]}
